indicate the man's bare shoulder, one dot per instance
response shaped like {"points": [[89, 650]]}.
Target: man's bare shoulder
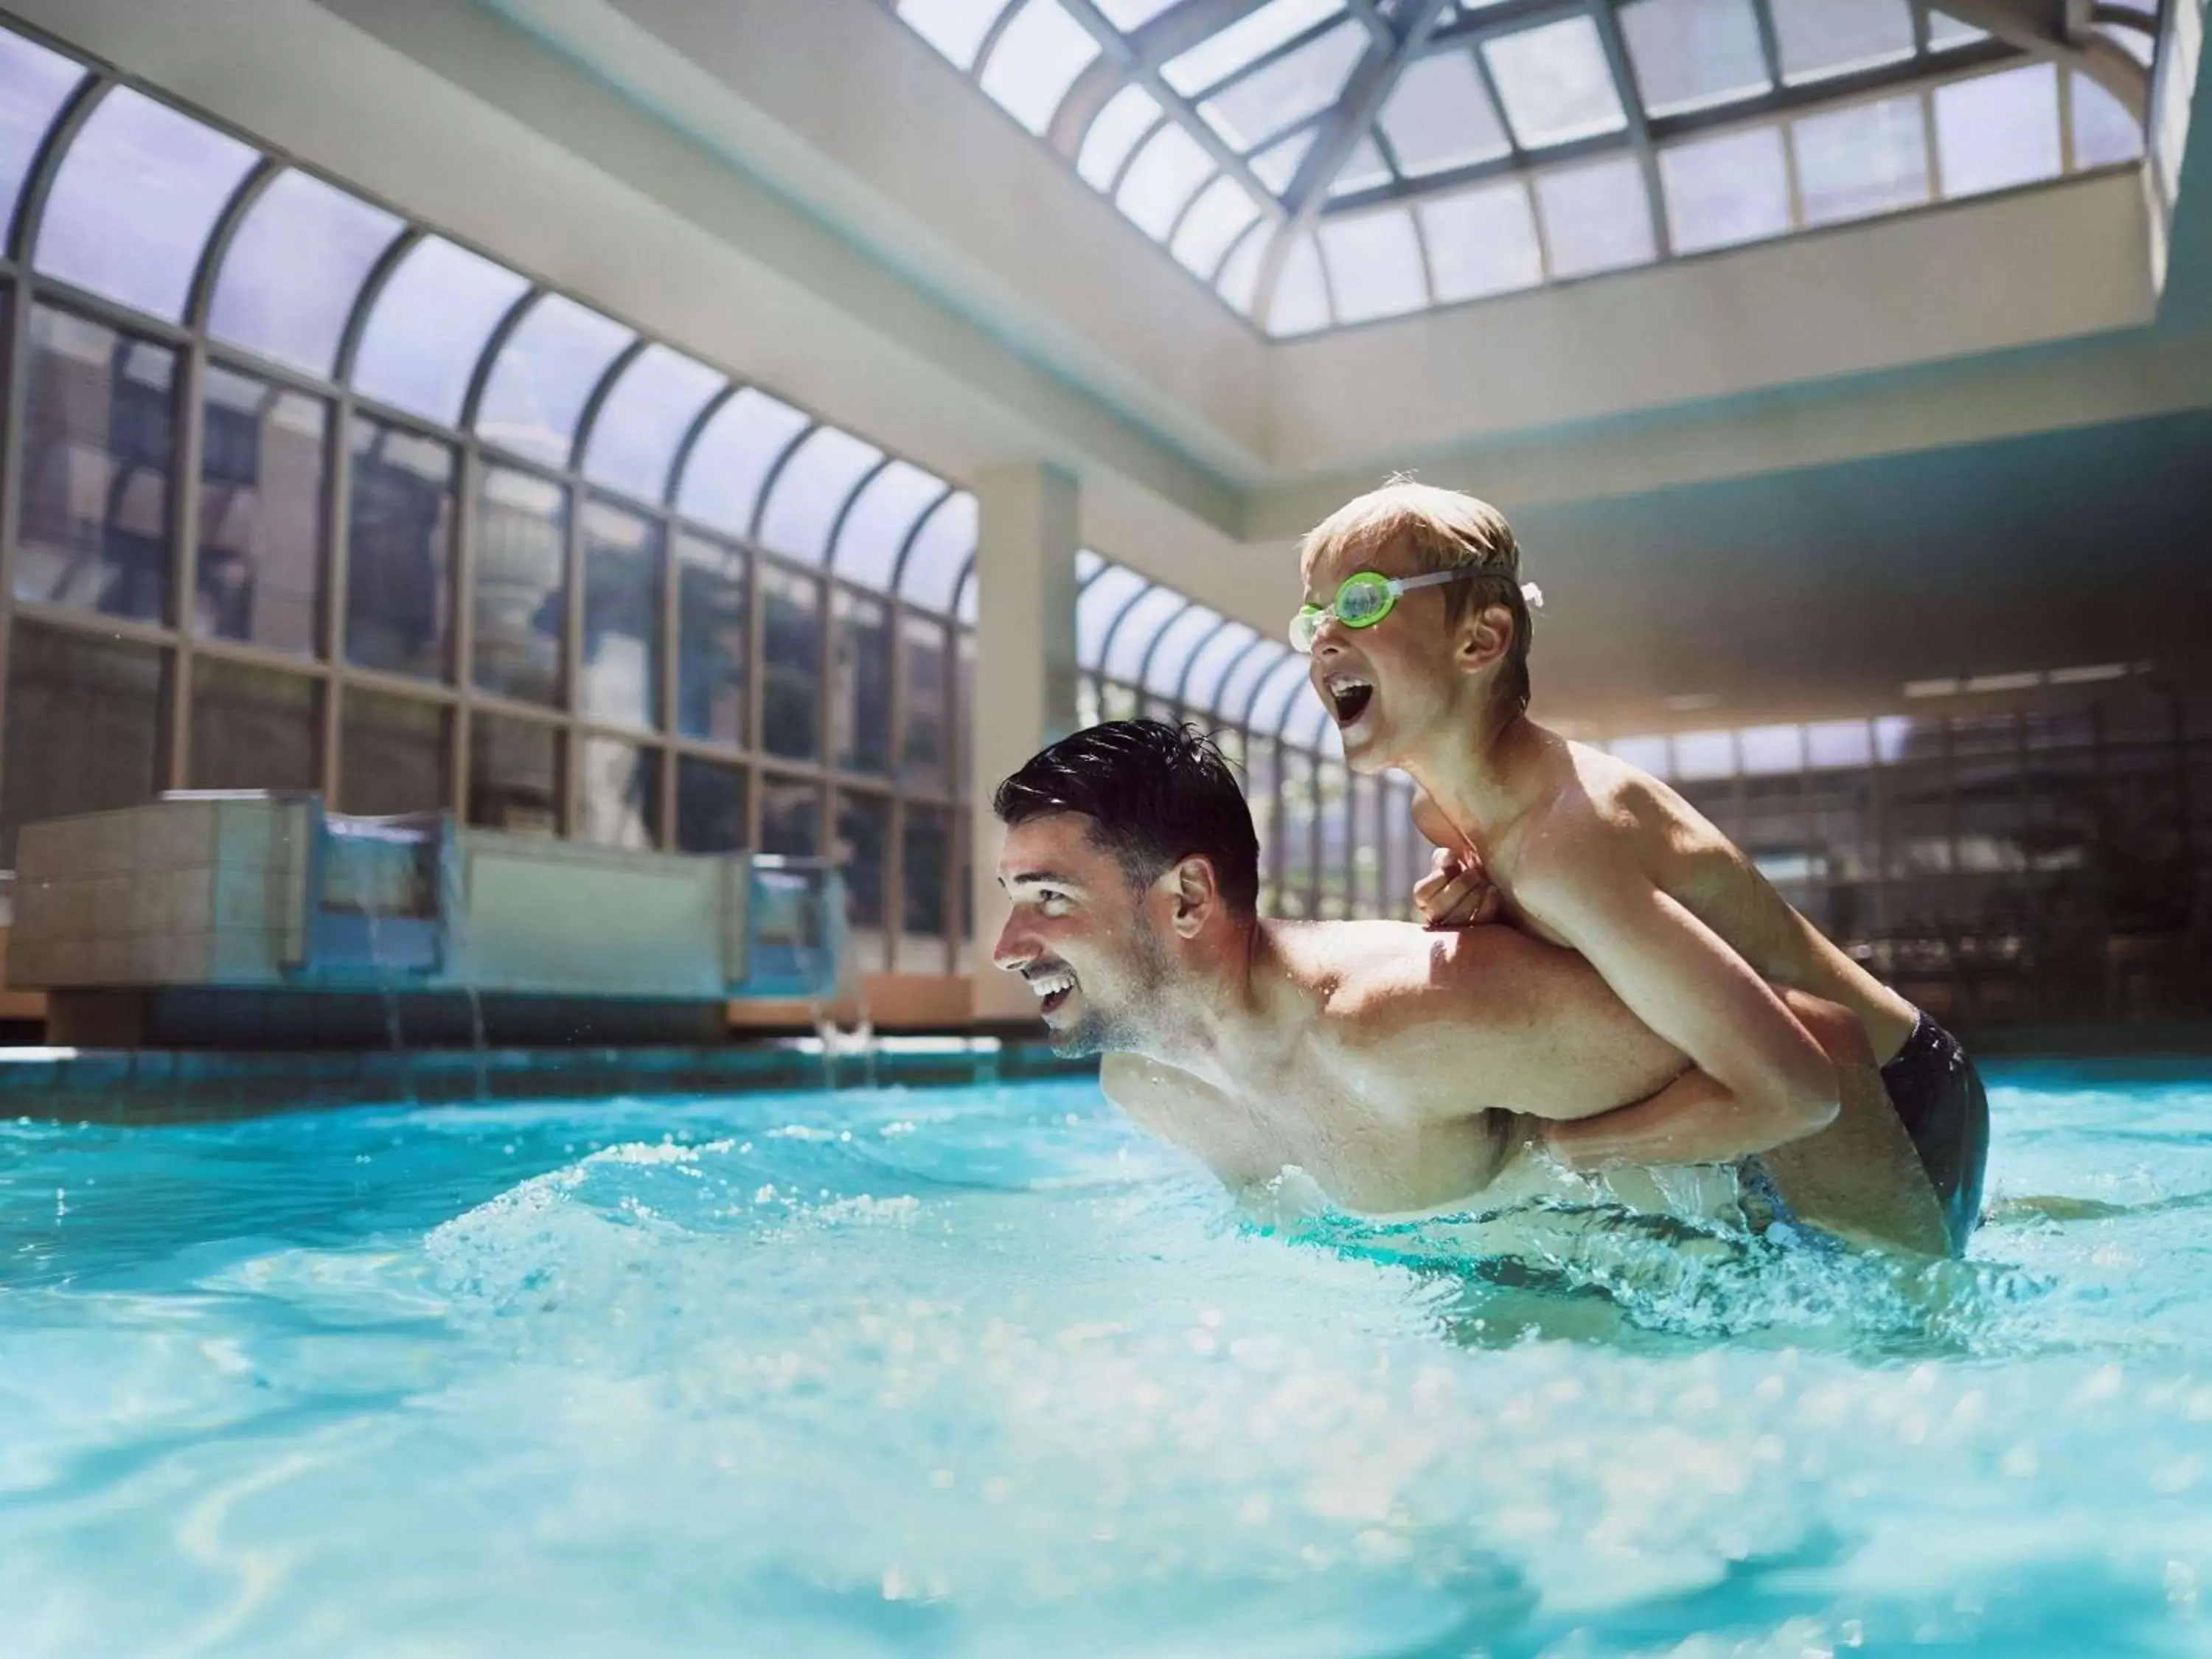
{"points": [[1376, 976]]}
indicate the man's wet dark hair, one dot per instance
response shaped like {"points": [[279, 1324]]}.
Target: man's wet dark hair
{"points": [[1154, 793]]}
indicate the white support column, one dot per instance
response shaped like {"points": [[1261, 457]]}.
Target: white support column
{"points": [[1026, 676]]}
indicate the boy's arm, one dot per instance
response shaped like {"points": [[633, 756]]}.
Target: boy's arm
{"points": [[1860, 1178], [1761, 1080]]}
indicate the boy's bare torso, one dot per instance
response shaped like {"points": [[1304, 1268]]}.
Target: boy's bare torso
{"points": [[1688, 858], [1392, 1065]]}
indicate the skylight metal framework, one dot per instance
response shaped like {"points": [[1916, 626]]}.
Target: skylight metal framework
{"points": [[1325, 161]]}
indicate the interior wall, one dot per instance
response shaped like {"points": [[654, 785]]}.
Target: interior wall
{"points": [[1821, 591]]}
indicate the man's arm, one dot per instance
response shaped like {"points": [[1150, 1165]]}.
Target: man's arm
{"points": [[1760, 1081], [1168, 1102]]}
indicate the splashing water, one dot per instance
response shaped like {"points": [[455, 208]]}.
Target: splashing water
{"points": [[982, 1372]]}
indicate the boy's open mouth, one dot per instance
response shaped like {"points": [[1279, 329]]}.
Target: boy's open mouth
{"points": [[1348, 697]]}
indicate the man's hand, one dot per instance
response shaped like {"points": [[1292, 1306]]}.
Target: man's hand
{"points": [[1457, 892]]}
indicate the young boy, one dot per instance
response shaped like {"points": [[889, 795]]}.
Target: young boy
{"points": [[1418, 630]]}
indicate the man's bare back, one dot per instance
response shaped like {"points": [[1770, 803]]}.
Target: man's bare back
{"points": [[1398, 1068]]}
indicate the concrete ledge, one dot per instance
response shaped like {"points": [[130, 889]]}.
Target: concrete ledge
{"points": [[154, 1085]]}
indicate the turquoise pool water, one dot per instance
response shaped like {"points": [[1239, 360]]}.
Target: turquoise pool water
{"points": [[981, 1372]]}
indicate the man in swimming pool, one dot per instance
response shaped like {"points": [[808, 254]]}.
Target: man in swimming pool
{"points": [[1402, 1070]]}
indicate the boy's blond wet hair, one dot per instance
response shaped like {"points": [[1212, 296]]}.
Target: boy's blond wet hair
{"points": [[1444, 530]]}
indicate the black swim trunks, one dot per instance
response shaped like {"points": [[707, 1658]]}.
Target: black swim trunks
{"points": [[1938, 1095]]}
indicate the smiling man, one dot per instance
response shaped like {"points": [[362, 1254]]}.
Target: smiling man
{"points": [[1402, 1070]]}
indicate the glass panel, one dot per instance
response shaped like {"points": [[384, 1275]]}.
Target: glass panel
{"points": [[1995, 131], [1300, 292], [294, 269], [1223, 211], [1374, 265], [723, 477], [1239, 282], [521, 585], [1039, 54], [860, 638], [1595, 217], [964, 604], [815, 484], [1704, 754], [1098, 605], [1944, 32], [1868, 159], [514, 775], [634, 436], [1482, 242], [710, 807], [394, 754], [1838, 743], [924, 846], [1246, 41], [1693, 54], [84, 729], [2103, 132], [1821, 38], [1238, 685], [252, 728], [35, 83], [260, 562], [428, 329], [544, 376], [955, 28], [1723, 191], [1365, 168], [1768, 749], [1278, 697], [1128, 116], [1163, 672], [1300, 83], [864, 835], [1127, 14], [714, 642], [1202, 675], [963, 702], [1166, 173], [791, 717], [926, 742], [791, 816], [399, 551], [1440, 116], [884, 515], [618, 794], [619, 679], [941, 550], [137, 195], [96, 517], [1277, 164], [1555, 83]]}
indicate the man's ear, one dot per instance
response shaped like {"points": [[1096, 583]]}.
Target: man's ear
{"points": [[1484, 639], [1193, 894]]}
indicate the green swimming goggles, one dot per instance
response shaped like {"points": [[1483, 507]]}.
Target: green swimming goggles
{"points": [[1366, 598]]}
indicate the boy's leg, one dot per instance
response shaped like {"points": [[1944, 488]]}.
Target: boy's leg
{"points": [[1939, 1098]]}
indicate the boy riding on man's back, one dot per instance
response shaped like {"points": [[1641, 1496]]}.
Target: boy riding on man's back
{"points": [[1588, 852]]}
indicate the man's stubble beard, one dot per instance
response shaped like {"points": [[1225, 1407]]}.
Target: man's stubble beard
{"points": [[1102, 1031]]}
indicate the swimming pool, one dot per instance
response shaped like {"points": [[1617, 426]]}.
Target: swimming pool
{"points": [[979, 1372]]}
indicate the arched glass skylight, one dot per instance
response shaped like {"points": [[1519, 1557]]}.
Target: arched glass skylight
{"points": [[294, 269], [1317, 162], [135, 198], [544, 376]]}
